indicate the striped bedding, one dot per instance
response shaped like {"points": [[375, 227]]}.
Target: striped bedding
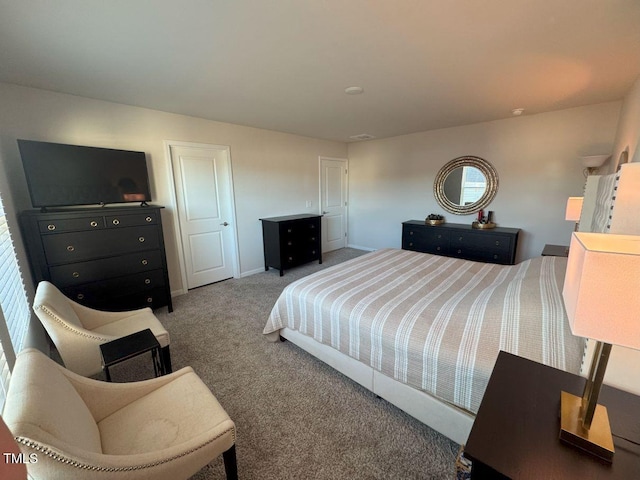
{"points": [[433, 322]]}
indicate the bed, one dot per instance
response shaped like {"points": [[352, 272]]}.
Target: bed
{"points": [[427, 328], [423, 331]]}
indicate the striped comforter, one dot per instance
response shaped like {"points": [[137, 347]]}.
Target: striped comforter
{"points": [[433, 322]]}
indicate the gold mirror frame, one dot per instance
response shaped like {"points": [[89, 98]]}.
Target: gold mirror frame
{"points": [[467, 161]]}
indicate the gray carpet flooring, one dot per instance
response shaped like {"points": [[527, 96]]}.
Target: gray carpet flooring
{"points": [[296, 418]]}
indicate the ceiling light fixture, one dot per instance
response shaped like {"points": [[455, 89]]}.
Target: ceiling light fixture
{"points": [[517, 111], [353, 90], [362, 136]]}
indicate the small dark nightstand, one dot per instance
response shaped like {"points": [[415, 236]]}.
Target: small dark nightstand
{"points": [[515, 434], [555, 251]]}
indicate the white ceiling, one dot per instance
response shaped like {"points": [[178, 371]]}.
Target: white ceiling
{"points": [[284, 64]]}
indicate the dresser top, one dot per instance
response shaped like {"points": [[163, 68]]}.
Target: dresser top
{"points": [[106, 210], [287, 218], [464, 226]]}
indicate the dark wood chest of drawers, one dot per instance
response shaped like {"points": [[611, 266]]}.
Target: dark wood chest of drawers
{"points": [[496, 245], [109, 258], [291, 240]]}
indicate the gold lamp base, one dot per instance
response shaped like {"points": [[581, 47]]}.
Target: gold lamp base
{"points": [[596, 440]]}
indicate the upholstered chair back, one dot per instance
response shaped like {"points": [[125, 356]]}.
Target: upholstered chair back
{"points": [[46, 406]]}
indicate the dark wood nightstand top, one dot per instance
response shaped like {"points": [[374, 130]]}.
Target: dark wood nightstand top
{"points": [[555, 251], [516, 430]]}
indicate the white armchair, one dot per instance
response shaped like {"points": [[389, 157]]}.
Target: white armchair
{"points": [[166, 428], [77, 331]]}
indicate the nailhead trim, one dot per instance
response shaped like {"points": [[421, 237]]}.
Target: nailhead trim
{"points": [[94, 468], [66, 325]]}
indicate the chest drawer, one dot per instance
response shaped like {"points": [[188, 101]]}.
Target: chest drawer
{"points": [[93, 270], [481, 241], [80, 246], [71, 224]]}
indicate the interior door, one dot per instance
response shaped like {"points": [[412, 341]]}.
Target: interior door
{"points": [[333, 203], [202, 179]]}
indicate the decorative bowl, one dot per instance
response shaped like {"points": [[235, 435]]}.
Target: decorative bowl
{"points": [[483, 226], [434, 222]]}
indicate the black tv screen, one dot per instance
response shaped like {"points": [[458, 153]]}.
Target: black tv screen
{"points": [[65, 175]]}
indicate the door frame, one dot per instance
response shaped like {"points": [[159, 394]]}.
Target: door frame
{"points": [[174, 205], [346, 193]]}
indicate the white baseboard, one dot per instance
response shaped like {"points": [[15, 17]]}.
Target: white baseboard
{"points": [[358, 247], [251, 272]]}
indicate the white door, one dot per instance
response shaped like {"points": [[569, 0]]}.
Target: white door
{"points": [[333, 203], [202, 179]]}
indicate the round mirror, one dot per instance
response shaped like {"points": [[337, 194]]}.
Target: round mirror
{"points": [[465, 185]]}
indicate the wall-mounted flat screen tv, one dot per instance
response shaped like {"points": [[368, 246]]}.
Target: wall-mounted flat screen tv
{"points": [[66, 175]]}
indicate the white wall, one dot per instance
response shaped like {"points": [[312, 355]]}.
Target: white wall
{"points": [[628, 135], [536, 156], [274, 173]]}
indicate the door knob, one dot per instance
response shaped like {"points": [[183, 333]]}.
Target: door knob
{"points": [[224, 224], [324, 213]]}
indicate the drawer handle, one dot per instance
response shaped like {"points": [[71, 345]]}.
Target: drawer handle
{"points": [[145, 261], [149, 299], [439, 236], [313, 226], [289, 243], [313, 239], [147, 281], [313, 252], [141, 239], [80, 296], [497, 242], [288, 230], [75, 275], [495, 257], [410, 233], [71, 248], [459, 238], [459, 251], [438, 248], [411, 244], [290, 258], [149, 219], [51, 227], [116, 221], [94, 223]]}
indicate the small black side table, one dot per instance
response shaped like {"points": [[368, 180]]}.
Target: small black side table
{"points": [[515, 433], [130, 346], [555, 251]]}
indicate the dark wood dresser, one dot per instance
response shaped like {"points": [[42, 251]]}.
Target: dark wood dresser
{"points": [[496, 245], [291, 240], [109, 258]]}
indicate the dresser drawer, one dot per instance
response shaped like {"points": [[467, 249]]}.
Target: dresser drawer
{"points": [[425, 238], [481, 241], [118, 286], [154, 298], [80, 246], [94, 270], [71, 224], [145, 218]]}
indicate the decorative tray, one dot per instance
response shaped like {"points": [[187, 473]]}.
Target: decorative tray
{"points": [[434, 222]]}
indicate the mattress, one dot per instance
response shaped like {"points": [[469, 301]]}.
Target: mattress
{"points": [[434, 323]]}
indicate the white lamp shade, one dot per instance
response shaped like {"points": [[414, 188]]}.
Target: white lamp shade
{"points": [[594, 161], [574, 208], [602, 288]]}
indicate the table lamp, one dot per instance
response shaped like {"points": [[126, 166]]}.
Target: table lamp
{"points": [[602, 302], [574, 208]]}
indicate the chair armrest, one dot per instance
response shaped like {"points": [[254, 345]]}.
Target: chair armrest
{"points": [[92, 318], [104, 398]]}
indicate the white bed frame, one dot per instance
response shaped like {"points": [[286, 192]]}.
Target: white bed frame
{"points": [[447, 419]]}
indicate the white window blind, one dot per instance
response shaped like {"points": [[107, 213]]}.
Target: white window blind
{"points": [[14, 305]]}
